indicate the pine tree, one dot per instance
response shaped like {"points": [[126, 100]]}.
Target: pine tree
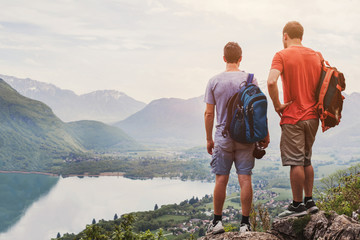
{"points": [[93, 221], [58, 235], [115, 217], [156, 207]]}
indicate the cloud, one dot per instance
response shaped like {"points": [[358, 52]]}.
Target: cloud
{"points": [[131, 45], [156, 7], [170, 47], [32, 62]]}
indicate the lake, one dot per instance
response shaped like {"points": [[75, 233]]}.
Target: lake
{"points": [[71, 203]]}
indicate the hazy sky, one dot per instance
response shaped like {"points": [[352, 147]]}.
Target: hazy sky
{"points": [[153, 49]]}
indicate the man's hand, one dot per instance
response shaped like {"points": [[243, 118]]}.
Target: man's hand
{"points": [[209, 123], [274, 91], [210, 146], [265, 142], [279, 109]]}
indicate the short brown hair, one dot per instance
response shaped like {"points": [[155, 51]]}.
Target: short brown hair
{"points": [[294, 30], [232, 52]]}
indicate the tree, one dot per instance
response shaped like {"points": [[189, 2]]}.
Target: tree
{"points": [[156, 207], [58, 235], [93, 232], [93, 221], [201, 232], [192, 200], [115, 217], [340, 191]]}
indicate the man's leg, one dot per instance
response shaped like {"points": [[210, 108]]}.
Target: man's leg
{"points": [[219, 198], [309, 180], [246, 193], [311, 127], [220, 193], [295, 152], [244, 163], [297, 179], [308, 187], [221, 164]]}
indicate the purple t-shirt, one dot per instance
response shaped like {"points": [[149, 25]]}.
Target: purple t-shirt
{"points": [[218, 91]]}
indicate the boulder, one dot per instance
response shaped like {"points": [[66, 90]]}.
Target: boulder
{"points": [[241, 236], [320, 226]]}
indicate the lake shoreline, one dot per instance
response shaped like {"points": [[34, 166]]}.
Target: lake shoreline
{"points": [[70, 175]]}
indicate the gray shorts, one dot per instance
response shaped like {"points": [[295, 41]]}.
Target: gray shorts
{"points": [[297, 141], [226, 152]]}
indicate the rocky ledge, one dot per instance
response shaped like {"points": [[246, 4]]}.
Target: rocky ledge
{"points": [[320, 226]]}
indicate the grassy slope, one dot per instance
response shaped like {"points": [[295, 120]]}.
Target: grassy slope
{"points": [[32, 138], [30, 134], [95, 135]]}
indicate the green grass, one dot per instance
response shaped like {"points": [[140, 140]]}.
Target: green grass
{"points": [[227, 202], [300, 224], [284, 194], [324, 171], [176, 218], [95, 135], [262, 166]]}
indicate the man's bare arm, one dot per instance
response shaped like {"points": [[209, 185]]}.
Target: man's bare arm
{"points": [[274, 91], [209, 124]]}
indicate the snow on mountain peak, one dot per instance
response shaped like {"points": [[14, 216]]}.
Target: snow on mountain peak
{"points": [[107, 94]]}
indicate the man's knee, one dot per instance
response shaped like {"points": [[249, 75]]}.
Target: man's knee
{"points": [[244, 179], [221, 180], [296, 168]]}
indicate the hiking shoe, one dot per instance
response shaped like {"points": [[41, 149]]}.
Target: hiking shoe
{"points": [[311, 207], [244, 227], [298, 211], [215, 228]]}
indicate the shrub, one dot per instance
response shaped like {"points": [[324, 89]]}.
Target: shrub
{"points": [[341, 192]]}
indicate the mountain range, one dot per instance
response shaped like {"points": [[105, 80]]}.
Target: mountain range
{"points": [[32, 137], [179, 123], [168, 121], [107, 106]]}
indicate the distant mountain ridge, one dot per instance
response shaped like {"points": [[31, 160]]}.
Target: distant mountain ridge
{"points": [[104, 105], [169, 121], [33, 138], [98, 136], [178, 121]]}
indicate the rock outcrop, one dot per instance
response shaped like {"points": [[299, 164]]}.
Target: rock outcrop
{"points": [[242, 236], [320, 226]]}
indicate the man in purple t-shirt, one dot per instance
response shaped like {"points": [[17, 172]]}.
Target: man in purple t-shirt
{"points": [[224, 150]]}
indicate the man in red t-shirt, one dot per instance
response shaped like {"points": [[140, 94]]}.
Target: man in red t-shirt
{"points": [[300, 69]]}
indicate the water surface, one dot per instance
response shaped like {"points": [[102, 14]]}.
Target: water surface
{"points": [[74, 202]]}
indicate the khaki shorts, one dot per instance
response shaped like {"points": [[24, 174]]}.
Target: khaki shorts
{"points": [[297, 141], [228, 152]]}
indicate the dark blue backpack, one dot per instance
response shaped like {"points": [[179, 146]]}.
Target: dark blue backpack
{"points": [[246, 120]]}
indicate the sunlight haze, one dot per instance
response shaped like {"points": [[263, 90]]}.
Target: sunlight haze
{"points": [[154, 49]]}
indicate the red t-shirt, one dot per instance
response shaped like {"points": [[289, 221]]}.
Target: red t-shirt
{"points": [[300, 69]]}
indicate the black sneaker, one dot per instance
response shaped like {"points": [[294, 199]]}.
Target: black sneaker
{"points": [[298, 211], [215, 228], [311, 207], [244, 227]]}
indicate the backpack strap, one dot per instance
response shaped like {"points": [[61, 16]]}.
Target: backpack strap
{"points": [[230, 106], [230, 111], [249, 78], [322, 60]]}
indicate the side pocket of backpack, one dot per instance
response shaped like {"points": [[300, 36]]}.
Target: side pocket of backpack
{"points": [[237, 126]]}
